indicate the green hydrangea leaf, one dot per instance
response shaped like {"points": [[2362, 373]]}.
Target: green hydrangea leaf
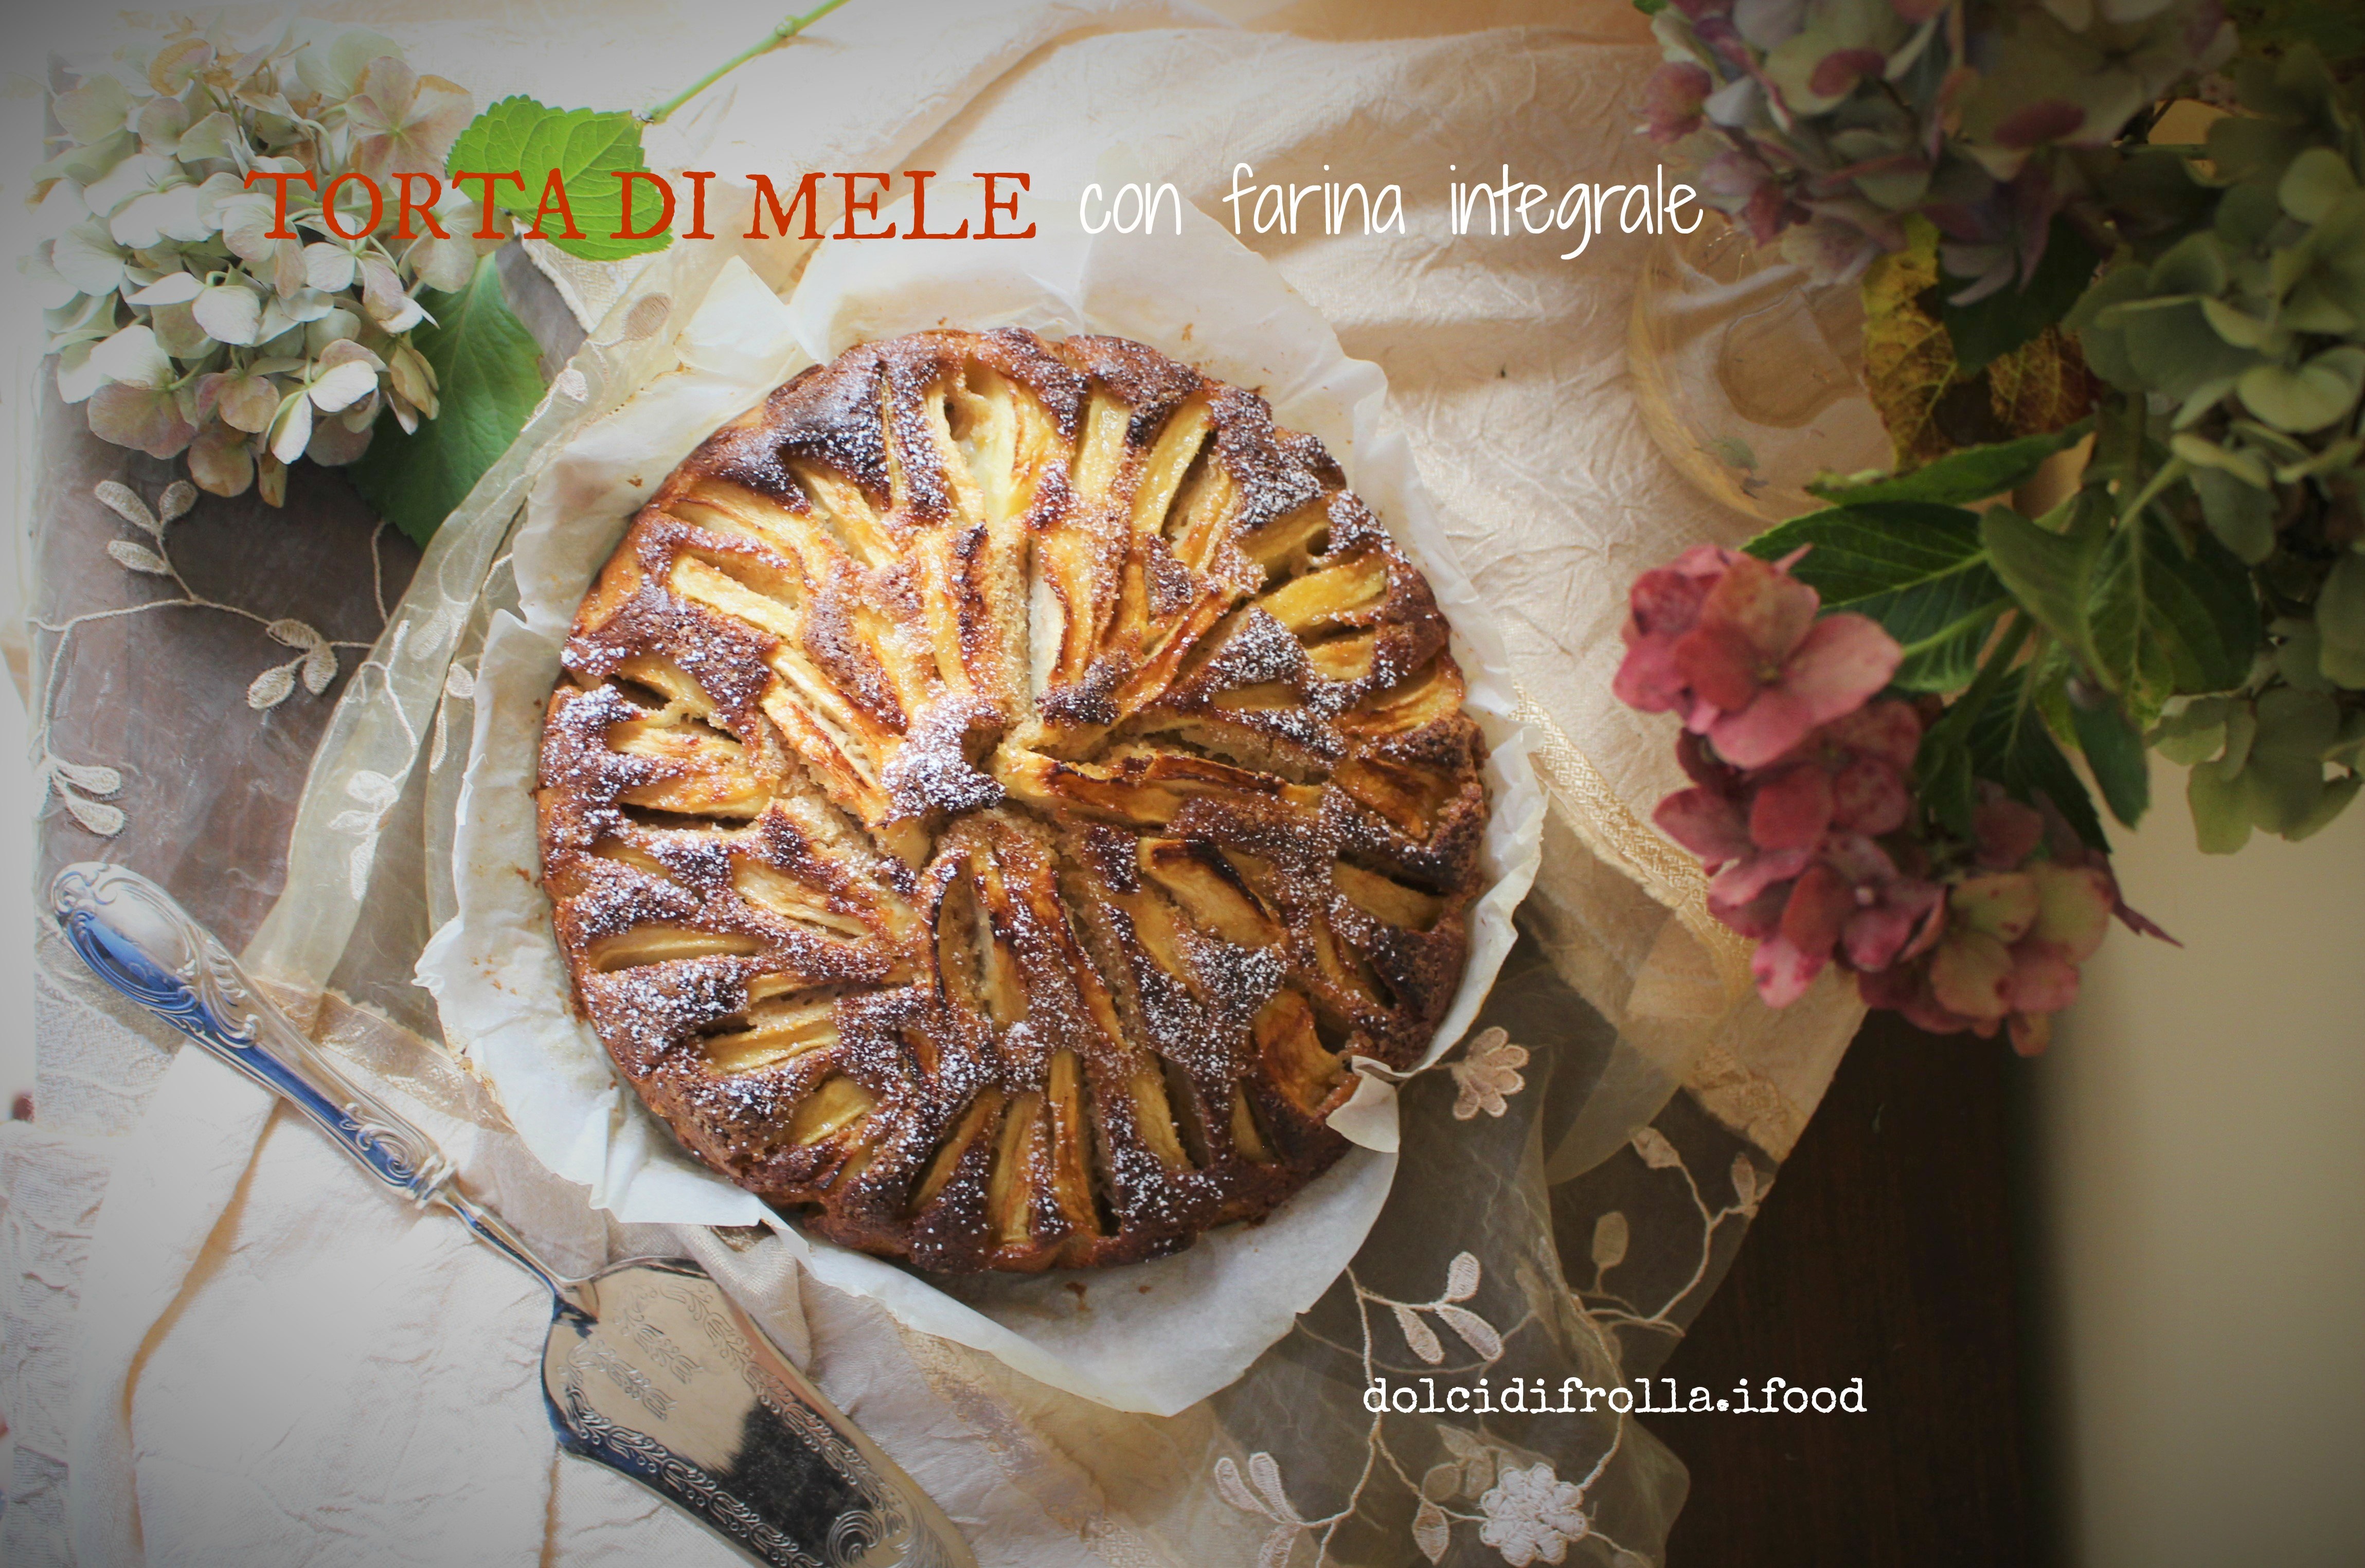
{"points": [[1990, 328], [2308, 396], [2327, 271], [2330, 803], [2009, 743], [2341, 458], [2295, 86], [2299, 658], [2316, 180], [2171, 348], [1917, 568], [2282, 779], [2114, 750], [1973, 474], [488, 374], [588, 150], [2144, 617], [2340, 622], [2236, 325], [2195, 265], [2276, 26], [2221, 811], [2241, 515], [1942, 779], [2244, 147], [2194, 736], [2050, 570], [2199, 452], [2105, 346], [2164, 621]]}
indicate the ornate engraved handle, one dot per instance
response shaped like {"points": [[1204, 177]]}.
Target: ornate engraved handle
{"points": [[137, 940]]}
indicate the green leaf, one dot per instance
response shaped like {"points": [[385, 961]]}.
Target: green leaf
{"points": [[2299, 659], [1989, 329], [2247, 214], [2164, 621], [2194, 736], [1916, 568], [2114, 750], [2198, 263], [2105, 347], [2171, 348], [2241, 515], [2235, 326], [2328, 805], [2275, 781], [2283, 775], [587, 149], [2147, 619], [2272, 27], [2221, 815], [488, 374], [1942, 778], [2340, 622], [2009, 743], [2198, 452], [2308, 396], [1972, 474], [2316, 180], [2050, 573]]}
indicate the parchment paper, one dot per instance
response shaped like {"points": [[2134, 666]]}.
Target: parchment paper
{"points": [[1180, 1328]]}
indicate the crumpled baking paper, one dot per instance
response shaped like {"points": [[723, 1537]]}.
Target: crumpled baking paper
{"points": [[1154, 1337]]}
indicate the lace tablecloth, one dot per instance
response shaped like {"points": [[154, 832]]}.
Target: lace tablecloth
{"points": [[217, 1346]]}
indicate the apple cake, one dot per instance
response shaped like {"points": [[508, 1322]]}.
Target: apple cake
{"points": [[996, 785]]}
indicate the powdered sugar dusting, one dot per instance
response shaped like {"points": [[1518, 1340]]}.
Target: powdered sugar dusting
{"points": [[1181, 708]]}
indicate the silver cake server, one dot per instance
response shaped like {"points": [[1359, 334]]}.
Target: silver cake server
{"points": [[650, 1369]]}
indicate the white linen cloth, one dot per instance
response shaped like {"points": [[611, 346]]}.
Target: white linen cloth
{"points": [[270, 1363]]}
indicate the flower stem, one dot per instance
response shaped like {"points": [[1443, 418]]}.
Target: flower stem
{"points": [[656, 113]]}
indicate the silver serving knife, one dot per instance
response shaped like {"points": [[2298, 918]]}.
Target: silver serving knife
{"points": [[650, 1369]]}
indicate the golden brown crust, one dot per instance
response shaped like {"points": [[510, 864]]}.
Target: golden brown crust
{"points": [[998, 784]]}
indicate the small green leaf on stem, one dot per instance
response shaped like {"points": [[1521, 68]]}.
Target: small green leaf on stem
{"points": [[589, 150]]}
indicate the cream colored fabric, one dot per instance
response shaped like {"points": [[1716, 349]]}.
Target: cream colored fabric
{"points": [[212, 1418]]}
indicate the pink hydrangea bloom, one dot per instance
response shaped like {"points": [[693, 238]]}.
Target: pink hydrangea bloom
{"points": [[1803, 809], [1732, 643], [2033, 908], [1792, 847], [2009, 954]]}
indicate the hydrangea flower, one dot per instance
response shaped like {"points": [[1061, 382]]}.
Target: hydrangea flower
{"points": [[1815, 846], [1732, 643], [179, 322], [1794, 852], [2034, 907], [1826, 122]]}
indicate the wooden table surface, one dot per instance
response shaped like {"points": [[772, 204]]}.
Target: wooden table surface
{"points": [[1884, 1252]]}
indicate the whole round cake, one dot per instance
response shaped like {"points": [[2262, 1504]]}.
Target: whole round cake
{"points": [[998, 784]]}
